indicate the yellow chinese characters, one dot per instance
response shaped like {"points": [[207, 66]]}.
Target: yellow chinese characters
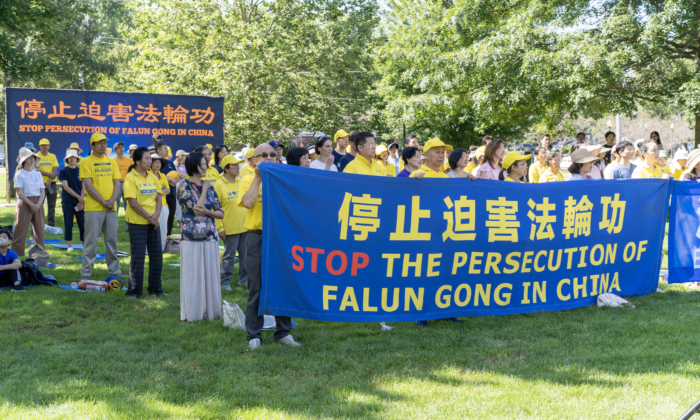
{"points": [[577, 217], [502, 222], [416, 214], [614, 224], [364, 219], [460, 222], [541, 227]]}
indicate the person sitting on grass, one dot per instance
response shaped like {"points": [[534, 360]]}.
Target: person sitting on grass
{"points": [[9, 263]]}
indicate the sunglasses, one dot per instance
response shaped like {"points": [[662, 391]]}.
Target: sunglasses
{"points": [[265, 155]]}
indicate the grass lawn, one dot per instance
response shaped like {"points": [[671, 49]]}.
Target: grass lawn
{"points": [[69, 355]]}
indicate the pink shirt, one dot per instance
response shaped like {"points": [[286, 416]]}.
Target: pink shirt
{"points": [[491, 173], [595, 173]]}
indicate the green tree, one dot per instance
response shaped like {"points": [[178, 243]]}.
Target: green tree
{"points": [[283, 66]]}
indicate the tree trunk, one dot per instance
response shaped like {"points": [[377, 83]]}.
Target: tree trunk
{"points": [[697, 129], [8, 188]]}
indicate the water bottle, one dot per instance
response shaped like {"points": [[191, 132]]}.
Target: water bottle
{"points": [[74, 285], [91, 288]]}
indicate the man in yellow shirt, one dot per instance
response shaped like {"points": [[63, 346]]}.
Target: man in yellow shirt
{"points": [[250, 194], [48, 166], [364, 163], [123, 163], [232, 227], [249, 167], [101, 179]]}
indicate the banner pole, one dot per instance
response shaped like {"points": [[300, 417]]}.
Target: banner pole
{"points": [[7, 172]]}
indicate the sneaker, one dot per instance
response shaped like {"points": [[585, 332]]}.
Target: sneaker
{"points": [[18, 287], [254, 344], [421, 323], [161, 294], [70, 249], [289, 340], [243, 283], [659, 290], [226, 287], [385, 327]]}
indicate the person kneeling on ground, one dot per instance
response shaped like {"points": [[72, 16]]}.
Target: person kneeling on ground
{"points": [[9, 263]]}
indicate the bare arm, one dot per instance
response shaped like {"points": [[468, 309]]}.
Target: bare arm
{"points": [[15, 265], [251, 196]]}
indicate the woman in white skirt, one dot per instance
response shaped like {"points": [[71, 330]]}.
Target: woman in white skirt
{"points": [[200, 287]]}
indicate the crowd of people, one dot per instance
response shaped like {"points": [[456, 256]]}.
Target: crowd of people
{"points": [[215, 195]]}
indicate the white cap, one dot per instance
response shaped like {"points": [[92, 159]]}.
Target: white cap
{"points": [[681, 154]]}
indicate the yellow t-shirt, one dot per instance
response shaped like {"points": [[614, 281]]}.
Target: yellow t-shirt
{"points": [[253, 219], [123, 165], [47, 163], [470, 167], [103, 172], [677, 170], [362, 166], [246, 170], [389, 169], [429, 173], [445, 166], [163, 180], [510, 180], [536, 171], [145, 191], [644, 171], [233, 222], [548, 176], [212, 176]]}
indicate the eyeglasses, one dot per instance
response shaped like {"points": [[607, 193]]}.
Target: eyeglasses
{"points": [[265, 154]]}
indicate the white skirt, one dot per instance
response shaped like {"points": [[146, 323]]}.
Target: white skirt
{"points": [[200, 285]]}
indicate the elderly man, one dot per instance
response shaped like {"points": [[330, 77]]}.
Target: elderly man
{"points": [[250, 194], [434, 152], [101, 179]]}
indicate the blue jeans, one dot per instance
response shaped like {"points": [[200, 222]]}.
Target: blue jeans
{"points": [[68, 213]]}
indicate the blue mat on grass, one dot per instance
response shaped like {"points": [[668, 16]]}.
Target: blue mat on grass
{"points": [[99, 257], [51, 241], [65, 246]]}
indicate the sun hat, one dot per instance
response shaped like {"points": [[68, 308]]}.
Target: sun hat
{"points": [[662, 154], [132, 147], [340, 133], [312, 149], [97, 137], [43, 142], [230, 160], [693, 159], [583, 156], [154, 156], [681, 154], [25, 154], [71, 153], [480, 152], [513, 157], [117, 144], [435, 142], [29, 145], [181, 153], [381, 148]]}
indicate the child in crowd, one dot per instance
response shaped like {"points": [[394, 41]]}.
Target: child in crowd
{"points": [[9, 263]]}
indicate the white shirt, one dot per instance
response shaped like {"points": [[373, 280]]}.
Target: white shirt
{"points": [[318, 165], [31, 183], [395, 162]]}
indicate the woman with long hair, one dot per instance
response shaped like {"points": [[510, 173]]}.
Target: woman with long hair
{"points": [[491, 168], [655, 136], [200, 287], [552, 173], [143, 191]]}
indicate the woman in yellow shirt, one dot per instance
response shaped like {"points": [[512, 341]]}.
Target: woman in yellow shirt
{"points": [[647, 167], [678, 165], [515, 166], [382, 155], [231, 228], [157, 163], [552, 173], [142, 191], [540, 165], [472, 159]]}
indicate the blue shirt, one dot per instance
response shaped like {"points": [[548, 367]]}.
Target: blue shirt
{"points": [[344, 161], [404, 174], [169, 166], [73, 179], [622, 172], [336, 157], [8, 258]]}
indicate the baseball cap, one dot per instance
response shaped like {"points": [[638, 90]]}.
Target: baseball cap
{"points": [[181, 153], [393, 145], [250, 154], [513, 157], [43, 142], [97, 137], [681, 154], [133, 147], [381, 148], [662, 154], [480, 152], [340, 133], [29, 145], [435, 142], [275, 143], [117, 144], [230, 160]]}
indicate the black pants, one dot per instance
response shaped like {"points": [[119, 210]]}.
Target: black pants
{"points": [[51, 201], [68, 213], [171, 201], [254, 322], [142, 237], [8, 278]]}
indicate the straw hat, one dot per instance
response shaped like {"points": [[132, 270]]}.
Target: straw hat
{"points": [[582, 155], [693, 159]]}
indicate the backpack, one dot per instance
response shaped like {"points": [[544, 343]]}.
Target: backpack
{"points": [[30, 274]]}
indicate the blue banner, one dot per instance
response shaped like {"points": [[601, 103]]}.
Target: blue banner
{"points": [[72, 116], [684, 233], [354, 248]]}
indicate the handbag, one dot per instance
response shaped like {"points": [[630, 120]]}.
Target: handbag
{"points": [[233, 316], [38, 253], [172, 246]]}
